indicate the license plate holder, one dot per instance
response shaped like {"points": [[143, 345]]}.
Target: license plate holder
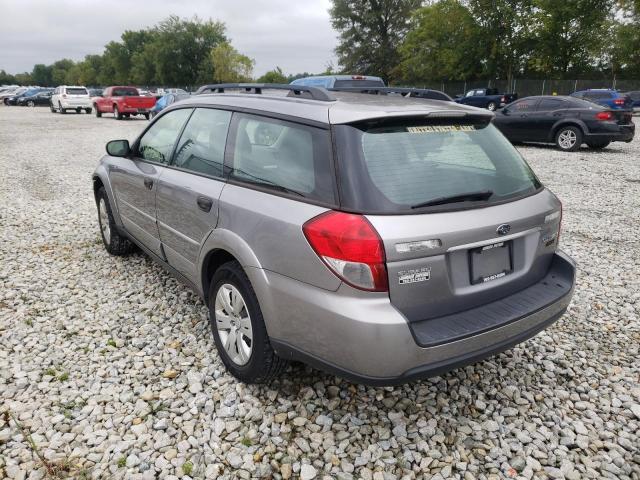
{"points": [[490, 262]]}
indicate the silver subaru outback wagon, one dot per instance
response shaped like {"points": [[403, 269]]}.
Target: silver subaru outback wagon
{"points": [[377, 237]]}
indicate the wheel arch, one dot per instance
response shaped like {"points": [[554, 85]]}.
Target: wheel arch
{"points": [[567, 123]]}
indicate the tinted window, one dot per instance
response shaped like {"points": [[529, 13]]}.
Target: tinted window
{"points": [[550, 104], [124, 92], [389, 168], [157, 143], [77, 91], [526, 105], [283, 155], [201, 146], [597, 95], [358, 83]]}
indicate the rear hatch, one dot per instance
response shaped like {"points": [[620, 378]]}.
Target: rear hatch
{"points": [[463, 219], [76, 96]]}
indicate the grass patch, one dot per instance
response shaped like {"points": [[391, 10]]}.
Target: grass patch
{"points": [[50, 372], [122, 462], [111, 342], [187, 468], [246, 442], [63, 377]]}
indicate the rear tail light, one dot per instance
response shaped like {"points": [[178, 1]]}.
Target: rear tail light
{"points": [[503, 100], [619, 101], [351, 248], [604, 115]]}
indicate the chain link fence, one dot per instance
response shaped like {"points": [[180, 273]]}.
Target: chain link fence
{"points": [[526, 87]]}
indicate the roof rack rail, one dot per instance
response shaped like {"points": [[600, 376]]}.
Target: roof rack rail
{"points": [[316, 93], [413, 92]]}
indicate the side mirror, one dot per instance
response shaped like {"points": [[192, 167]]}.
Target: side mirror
{"points": [[118, 148]]}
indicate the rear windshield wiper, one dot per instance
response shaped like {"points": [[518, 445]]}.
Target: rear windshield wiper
{"points": [[461, 197]]}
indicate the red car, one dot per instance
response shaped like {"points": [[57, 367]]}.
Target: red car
{"points": [[123, 102]]}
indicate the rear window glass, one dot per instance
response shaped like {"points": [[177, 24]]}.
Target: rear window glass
{"points": [[598, 95], [77, 91], [391, 168], [283, 156], [124, 92], [358, 83]]}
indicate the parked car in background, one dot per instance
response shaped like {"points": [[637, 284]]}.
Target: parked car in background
{"points": [[66, 97], [123, 102], [606, 97], [13, 99], [166, 100], [39, 99], [488, 98], [11, 92], [566, 121], [635, 99], [95, 92], [340, 81], [441, 249]]}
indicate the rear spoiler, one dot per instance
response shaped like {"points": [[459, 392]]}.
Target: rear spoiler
{"points": [[405, 91]]}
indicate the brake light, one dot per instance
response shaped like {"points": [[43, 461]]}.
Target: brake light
{"points": [[619, 101], [358, 77], [604, 115], [351, 248], [503, 99]]}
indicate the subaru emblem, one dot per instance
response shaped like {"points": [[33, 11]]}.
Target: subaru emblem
{"points": [[503, 229]]}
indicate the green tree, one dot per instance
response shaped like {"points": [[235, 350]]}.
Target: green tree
{"points": [[568, 35], [273, 76], [59, 71], [624, 46], [442, 45], [42, 75], [229, 65], [7, 78], [504, 33], [370, 33]]}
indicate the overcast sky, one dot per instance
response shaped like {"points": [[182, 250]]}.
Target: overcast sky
{"points": [[294, 35]]}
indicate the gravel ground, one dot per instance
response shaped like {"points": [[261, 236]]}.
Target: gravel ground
{"points": [[108, 370]]}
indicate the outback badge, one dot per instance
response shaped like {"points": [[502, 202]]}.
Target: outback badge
{"points": [[503, 229]]}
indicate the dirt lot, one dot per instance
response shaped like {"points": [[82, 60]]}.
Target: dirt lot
{"points": [[108, 370]]}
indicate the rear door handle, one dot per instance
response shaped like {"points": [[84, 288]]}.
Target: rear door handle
{"points": [[204, 203], [148, 182]]}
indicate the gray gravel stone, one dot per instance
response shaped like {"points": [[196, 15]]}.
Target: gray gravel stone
{"points": [[104, 358]]}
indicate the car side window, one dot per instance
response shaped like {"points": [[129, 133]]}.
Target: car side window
{"points": [[523, 106], [283, 155], [157, 143], [201, 146], [551, 104]]}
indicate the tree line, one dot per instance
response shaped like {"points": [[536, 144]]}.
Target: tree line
{"points": [[412, 41], [403, 41], [175, 52]]}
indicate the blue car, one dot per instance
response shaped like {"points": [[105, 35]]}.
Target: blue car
{"points": [[166, 100], [340, 81], [606, 97]]}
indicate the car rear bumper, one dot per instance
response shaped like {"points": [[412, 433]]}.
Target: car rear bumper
{"points": [[622, 133], [135, 110], [79, 103], [362, 337]]}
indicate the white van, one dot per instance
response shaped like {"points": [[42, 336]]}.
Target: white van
{"points": [[70, 98]]}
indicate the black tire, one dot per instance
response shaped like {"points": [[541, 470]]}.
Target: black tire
{"points": [[116, 113], [62, 110], [78, 110], [492, 106], [53, 110], [564, 134], [31, 103], [88, 110], [98, 112], [117, 244], [598, 145], [146, 116], [263, 363]]}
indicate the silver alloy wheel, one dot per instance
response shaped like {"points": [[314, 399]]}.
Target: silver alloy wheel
{"points": [[567, 139], [104, 221], [233, 324], [491, 107], [31, 103]]}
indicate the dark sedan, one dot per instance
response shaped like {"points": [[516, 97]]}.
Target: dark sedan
{"points": [[39, 99], [566, 121]]}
